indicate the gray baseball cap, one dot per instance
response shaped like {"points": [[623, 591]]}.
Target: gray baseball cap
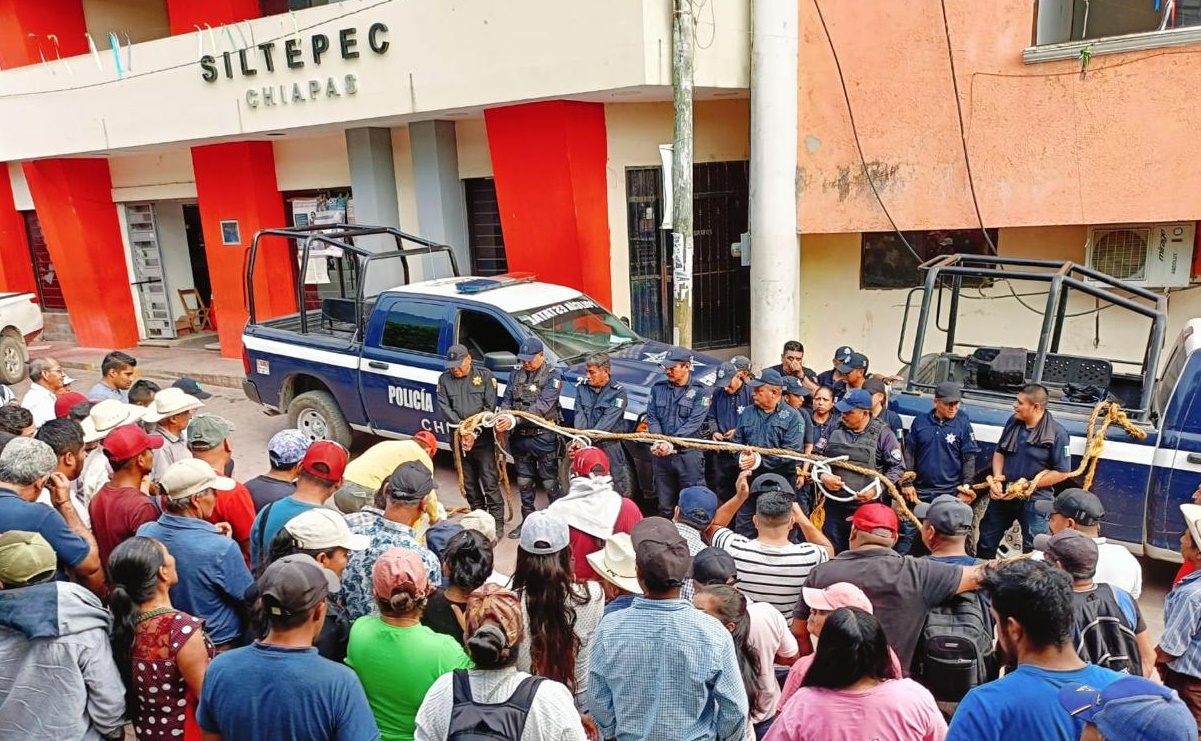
{"points": [[946, 514], [542, 534]]}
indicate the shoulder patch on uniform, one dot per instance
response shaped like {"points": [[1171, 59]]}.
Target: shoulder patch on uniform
{"points": [[493, 379], [704, 401], [619, 403], [896, 454], [556, 383]]}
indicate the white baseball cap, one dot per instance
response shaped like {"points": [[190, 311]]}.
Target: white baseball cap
{"points": [[191, 476], [169, 402], [107, 416], [319, 528]]}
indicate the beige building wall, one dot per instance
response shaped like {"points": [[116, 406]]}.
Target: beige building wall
{"points": [[836, 311], [635, 131]]}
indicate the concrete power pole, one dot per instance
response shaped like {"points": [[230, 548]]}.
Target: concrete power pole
{"points": [[683, 49], [775, 253]]}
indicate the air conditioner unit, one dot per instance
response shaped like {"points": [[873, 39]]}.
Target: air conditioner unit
{"points": [[1146, 255]]}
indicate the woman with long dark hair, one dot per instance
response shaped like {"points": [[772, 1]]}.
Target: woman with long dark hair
{"points": [[729, 606], [162, 653], [396, 657], [561, 613], [852, 691], [494, 631], [466, 565]]}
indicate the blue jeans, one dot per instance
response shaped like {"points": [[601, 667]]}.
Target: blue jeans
{"points": [[1001, 515]]}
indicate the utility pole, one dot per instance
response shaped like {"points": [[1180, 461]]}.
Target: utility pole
{"points": [[683, 38], [775, 254]]}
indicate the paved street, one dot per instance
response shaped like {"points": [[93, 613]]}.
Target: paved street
{"points": [[254, 429]]}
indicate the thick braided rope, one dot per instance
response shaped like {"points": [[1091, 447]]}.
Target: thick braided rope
{"points": [[472, 424]]}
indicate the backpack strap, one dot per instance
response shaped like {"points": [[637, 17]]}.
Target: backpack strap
{"points": [[1126, 602], [523, 696], [261, 535], [461, 683]]}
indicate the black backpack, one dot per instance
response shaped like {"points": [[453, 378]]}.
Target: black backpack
{"points": [[478, 721], [1105, 619], [955, 651]]}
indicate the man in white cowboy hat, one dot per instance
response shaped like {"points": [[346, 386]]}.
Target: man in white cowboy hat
{"points": [[615, 565], [170, 414], [104, 417]]}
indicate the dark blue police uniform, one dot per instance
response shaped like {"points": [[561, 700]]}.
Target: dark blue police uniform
{"points": [[604, 409], [722, 468], [536, 451], [679, 411], [943, 455], [781, 428]]}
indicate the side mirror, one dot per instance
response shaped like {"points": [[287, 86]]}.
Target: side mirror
{"points": [[500, 361]]}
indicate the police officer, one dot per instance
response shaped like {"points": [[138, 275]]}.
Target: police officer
{"points": [[851, 374], [1032, 442], [830, 377], [730, 397], [534, 388], [767, 423], [879, 391], [941, 449], [600, 404], [792, 363], [795, 395], [678, 406], [464, 391], [868, 442]]}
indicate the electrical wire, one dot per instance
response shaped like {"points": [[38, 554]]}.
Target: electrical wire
{"points": [[697, 7], [192, 63], [846, 96]]}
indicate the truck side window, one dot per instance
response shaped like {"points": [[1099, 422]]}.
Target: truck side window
{"points": [[483, 333], [413, 327]]}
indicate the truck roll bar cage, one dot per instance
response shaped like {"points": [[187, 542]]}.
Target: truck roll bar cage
{"points": [[1058, 275], [339, 236]]}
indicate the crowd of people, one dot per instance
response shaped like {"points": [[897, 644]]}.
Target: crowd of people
{"points": [[143, 585]]}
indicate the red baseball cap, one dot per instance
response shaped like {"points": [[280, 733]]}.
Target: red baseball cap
{"points": [[326, 460], [63, 404], [129, 441], [590, 461], [874, 516], [426, 439]]}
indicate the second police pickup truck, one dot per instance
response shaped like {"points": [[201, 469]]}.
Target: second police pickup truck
{"points": [[369, 360]]}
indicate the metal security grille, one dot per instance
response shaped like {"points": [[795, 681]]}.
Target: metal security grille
{"points": [[484, 233], [721, 298]]}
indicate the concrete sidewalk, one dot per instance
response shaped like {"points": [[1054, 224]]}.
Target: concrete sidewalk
{"points": [[170, 363]]}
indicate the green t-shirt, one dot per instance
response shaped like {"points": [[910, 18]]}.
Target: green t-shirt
{"points": [[397, 666]]}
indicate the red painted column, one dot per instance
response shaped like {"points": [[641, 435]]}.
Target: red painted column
{"points": [[25, 27], [16, 265], [185, 15], [236, 182], [74, 202], [548, 162]]}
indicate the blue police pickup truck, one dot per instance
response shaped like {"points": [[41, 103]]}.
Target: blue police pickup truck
{"points": [[366, 351], [1140, 482]]}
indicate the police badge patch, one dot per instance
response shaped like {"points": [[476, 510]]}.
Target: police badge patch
{"points": [[477, 381]]}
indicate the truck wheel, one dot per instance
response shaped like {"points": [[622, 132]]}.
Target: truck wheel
{"points": [[316, 415], [12, 359]]}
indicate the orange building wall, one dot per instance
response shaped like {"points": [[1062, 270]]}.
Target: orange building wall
{"points": [[1047, 146]]}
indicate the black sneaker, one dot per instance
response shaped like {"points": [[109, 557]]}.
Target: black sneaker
{"points": [[515, 533]]}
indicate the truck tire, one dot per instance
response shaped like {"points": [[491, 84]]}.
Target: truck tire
{"points": [[12, 359], [317, 415]]}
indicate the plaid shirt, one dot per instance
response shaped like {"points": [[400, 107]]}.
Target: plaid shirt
{"points": [[385, 534], [661, 670]]}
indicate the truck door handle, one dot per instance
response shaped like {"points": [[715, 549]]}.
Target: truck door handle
{"points": [[377, 364], [1193, 458]]}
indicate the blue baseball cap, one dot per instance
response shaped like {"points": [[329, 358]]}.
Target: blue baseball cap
{"points": [[843, 353], [725, 372], [1131, 707], [438, 536], [855, 399], [530, 347], [676, 356], [854, 361], [769, 377], [698, 505], [794, 387], [286, 448]]}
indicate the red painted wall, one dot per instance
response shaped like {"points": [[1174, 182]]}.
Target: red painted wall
{"points": [[74, 202], [16, 266], [548, 162], [20, 18], [185, 15], [237, 182]]}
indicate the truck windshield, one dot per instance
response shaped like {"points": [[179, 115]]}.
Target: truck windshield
{"points": [[574, 328]]}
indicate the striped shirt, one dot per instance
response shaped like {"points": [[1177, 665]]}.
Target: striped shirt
{"points": [[692, 537], [770, 573], [1181, 620]]}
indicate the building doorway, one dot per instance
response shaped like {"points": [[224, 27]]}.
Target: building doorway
{"points": [[50, 293], [721, 285], [196, 256], [485, 238]]}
